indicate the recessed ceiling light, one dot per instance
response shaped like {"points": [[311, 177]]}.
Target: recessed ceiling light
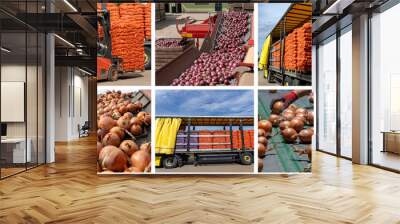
{"points": [[64, 40], [5, 50], [84, 71], [70, 5]]}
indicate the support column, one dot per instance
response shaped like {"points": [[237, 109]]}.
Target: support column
{"points": [[360, 90], [50, 98]]}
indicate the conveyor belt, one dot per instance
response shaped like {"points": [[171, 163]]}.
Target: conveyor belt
{"points": [[282, 157]]}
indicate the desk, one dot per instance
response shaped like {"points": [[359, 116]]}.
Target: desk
{"points": [[13, 150], [391, 141]]}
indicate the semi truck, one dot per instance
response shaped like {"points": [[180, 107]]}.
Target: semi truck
{"points": [[197, 140]]}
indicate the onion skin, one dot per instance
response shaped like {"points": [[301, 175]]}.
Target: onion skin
{"points": [[266, 125], [135, 121], [113, 159], [129, 147], [136, 130], [119, 131], [99, 148], [274, 119], [106, 123], [123, 109], [146, 147], [140, 159], [278, 107], [310, 118], [262, 140], [290, 135], [128, 115], [111, 139], [301, 111], [141, 116], [292, 107], [116, 115], [123, 122], [100, 134], [147, 119], [305, 136], [288, 115], [301, 117], [133, 169], [260, 165], [262, 149], [284, 124], [262, 133], [297, 124]]}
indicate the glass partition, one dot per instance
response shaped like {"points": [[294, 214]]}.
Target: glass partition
{"points": [[326, 101], [385, 89], [13, 93], [346, 92], [22, 66]]}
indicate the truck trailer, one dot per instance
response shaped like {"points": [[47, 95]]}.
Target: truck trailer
{"points": [[198, 140], [287, 49]]}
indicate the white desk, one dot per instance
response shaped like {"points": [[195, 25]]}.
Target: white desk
{"points": [[18, 149]]}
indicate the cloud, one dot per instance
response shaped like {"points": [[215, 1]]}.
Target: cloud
{"points": [[268, 16], [204, 102]]}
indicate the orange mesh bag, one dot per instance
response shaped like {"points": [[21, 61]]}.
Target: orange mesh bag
{"points": [[221, 140], [128, 36]]}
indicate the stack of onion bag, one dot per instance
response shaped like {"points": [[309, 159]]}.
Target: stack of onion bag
{"points": [[147, 20], [304, 39], [276, 55], [291, 51], [131, 36], [127, 33], [99, 27]]}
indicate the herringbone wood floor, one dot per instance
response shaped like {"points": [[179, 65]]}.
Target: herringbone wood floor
{"points": [[70, 192]]}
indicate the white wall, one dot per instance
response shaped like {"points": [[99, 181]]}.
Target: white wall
{"points": [[71, 93]]}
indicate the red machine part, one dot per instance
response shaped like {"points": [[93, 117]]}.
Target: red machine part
{"points": [[196, 30], [250, 42], [103, 66]]}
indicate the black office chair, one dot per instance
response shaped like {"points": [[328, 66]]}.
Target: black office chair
{"points": [[84, 130]]}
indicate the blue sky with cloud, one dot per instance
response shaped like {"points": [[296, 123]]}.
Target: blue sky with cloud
{"points": [[269, 15], [204, 102]]}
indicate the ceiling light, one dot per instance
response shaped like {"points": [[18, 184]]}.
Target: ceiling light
{"points": [[65, 41], [337, 7], [70, 5], [5, 50], [84, 71]]}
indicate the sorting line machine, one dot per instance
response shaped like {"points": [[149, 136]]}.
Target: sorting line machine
{"points": [[282, 156], [209, 29], [190, 154]]}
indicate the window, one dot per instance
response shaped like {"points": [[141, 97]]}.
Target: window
{"points": [[385, 89]]}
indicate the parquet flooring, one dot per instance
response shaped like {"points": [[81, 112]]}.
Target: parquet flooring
{"points": [[70, 192]]}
